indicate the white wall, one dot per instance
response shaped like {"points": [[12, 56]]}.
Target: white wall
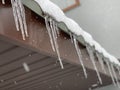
{"points": [[101, 18]]}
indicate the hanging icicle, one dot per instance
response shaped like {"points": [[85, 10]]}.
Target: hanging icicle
{"points": [[3, 1], [108, 64], [101, 62], [53, 34], [49, 32], [79, 54], [114, 73], [118, 68], [90, 52], [19, 17], [71, 37]]}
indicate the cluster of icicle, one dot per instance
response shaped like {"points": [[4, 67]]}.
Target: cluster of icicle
{"points": [[53, 32], [55, 14], [19, 17]]}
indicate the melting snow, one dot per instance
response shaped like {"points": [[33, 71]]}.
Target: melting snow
{"points": [[117, 81], [15, 82], [26, 67]]}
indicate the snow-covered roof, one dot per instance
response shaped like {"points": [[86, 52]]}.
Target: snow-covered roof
{"points": [[55, 12]]}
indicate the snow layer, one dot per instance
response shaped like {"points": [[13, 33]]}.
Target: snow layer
{"points": [[55, 12]]}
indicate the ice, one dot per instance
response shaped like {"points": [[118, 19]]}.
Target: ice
{"points": [[49, 32], [90, 52], [118, 68], [111, 73], [52, 25], [19, 17], [71, 36], [26, 67], [79, 55], [95, 85], [101, 62], [114, 73], [3, 1], [53, 34]]}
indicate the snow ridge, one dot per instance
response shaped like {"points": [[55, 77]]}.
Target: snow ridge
{"points": [[56, 13]]}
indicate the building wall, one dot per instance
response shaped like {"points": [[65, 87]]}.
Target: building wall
{"points": [[101, 18]]}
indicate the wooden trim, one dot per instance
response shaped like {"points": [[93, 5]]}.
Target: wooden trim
{"points": [[77, 3]]}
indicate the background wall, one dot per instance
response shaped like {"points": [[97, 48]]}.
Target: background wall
{"points": [[101, 18]]}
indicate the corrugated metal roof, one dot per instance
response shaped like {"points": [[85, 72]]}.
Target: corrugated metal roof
{"points": [[45, 72]]}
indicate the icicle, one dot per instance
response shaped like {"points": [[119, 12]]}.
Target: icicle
{"points": [[114, 73], [71, 37], [52, 32], [3, 1], [111, 73], [79, 55], [118, 70], [15, 14], [26, 67], [57, 30], [101, 62], [23, 17], [52, 24], [19, 17], [90, 52], [49, 32], [55, 42]]}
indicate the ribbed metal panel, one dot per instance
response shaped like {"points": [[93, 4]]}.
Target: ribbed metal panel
{"points": [[45, 72]]}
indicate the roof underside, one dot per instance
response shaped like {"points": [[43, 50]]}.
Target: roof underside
{"points": [[45, 72]]}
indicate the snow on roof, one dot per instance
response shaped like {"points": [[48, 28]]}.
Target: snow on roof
{"points": [[54, 11]]}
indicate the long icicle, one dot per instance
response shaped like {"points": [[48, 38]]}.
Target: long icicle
{"points": [[90, 52], [114, 73], [19, 16], [111, 73], [55, 43], [118, 68], [49, 33], [20, 19], [14, 6], [57, 30], [101, 62], [71, 37], [79, 54], [22, 10]]}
